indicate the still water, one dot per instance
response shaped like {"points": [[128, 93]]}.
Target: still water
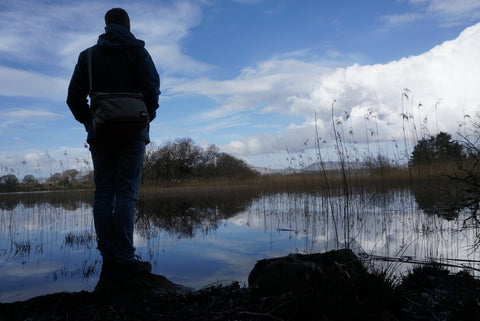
{"points": [[47, 241]]}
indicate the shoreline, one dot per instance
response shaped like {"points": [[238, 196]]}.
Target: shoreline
{"points": [[327, 286]]}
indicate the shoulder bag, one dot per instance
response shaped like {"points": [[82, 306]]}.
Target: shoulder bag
{"points": [[116, 113]]}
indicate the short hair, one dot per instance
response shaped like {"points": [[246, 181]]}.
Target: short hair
{"points": [[118, 16]]}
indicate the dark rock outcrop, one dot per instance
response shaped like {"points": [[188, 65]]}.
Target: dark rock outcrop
{"points": [[334, 283], [297, 272]]}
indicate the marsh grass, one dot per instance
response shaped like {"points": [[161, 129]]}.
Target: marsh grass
{"points": [[80, 240], [22, 249], [334, 182], [344, 194]]}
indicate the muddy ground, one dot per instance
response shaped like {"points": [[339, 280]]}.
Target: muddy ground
{"points": [[335, 292]]}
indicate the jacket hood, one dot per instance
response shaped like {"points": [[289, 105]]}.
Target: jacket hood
{"points": [[118, 38]]}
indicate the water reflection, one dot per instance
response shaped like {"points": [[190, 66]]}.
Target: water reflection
{"points": [[439, 199], [47, 241], [68, 200], [184, 216]]}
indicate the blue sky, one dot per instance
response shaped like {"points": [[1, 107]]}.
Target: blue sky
{"points": [[248, 75]]}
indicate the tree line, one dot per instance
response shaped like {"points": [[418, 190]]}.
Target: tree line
{"points": [[181, 159], [69, 179], [175, 161]]}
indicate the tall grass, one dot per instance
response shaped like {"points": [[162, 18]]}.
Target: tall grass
{"points": [[379, 172]]}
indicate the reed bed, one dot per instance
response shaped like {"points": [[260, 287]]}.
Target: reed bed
{"points": [[313, 182]]}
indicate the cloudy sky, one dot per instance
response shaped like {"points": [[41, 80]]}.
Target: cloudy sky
{"points": [[258, 78]]}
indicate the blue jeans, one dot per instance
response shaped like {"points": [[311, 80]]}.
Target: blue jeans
{"points": [[117, 172]]}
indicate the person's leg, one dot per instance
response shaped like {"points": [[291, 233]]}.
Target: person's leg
{"points": [[103, 201], [129, 163]]}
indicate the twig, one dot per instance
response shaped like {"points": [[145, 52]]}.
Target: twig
{"points": [[261, 315], [411, 260]]}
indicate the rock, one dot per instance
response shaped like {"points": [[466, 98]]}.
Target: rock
{"points": [[432, 292], [299, 273]]}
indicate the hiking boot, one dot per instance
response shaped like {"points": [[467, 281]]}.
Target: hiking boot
{"points": [[119, 274], [130, 269], [143, 267]]}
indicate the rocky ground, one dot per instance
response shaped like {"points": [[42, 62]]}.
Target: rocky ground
{"points": [[328, 286]]}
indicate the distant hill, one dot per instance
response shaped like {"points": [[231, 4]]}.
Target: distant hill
{"points": [[333, 166], [315, 167]]}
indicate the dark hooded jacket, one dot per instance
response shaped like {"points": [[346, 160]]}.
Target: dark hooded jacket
{"points": [[120, 63]]}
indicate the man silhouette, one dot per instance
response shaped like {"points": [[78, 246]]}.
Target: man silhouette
{"points": [[120, 63]]}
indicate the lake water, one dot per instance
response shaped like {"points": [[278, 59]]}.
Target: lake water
{"points": [[47, 242]]}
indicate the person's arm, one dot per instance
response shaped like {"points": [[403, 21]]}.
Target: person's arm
{"points": [[149, 83], [78, 92]]}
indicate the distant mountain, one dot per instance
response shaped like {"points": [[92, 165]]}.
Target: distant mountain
{"points": [[332, 166], [315, 167]]}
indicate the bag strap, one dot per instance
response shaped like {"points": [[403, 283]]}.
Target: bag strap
{"points": [[89, 59]]}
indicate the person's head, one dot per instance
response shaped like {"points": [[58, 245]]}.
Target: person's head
{"points": [[118, 16]]}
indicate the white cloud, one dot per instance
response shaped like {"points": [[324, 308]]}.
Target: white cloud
{"points": [[447, 74], [165, 24], [15, 122], [14, 82], [453, 12], [44, 35], [162, 28], [30, 115], [36, 33], [446, 12], [170, 59], [295, 140], [400, 19], [248, 1], [266, 88]]}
